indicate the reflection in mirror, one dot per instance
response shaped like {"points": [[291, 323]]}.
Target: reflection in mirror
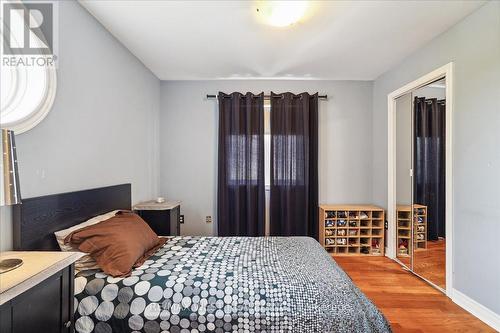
{"points": [[404, 140], [429, 112]]}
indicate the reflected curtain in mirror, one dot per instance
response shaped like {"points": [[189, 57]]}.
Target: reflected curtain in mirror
{"points": [[429, 154], [294, 165], [240, 190]]}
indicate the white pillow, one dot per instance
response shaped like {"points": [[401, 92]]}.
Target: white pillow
{"points": [[85, 262]]}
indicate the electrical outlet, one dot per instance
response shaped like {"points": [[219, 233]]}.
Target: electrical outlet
{"points": [[208, 219], [181, 219]]}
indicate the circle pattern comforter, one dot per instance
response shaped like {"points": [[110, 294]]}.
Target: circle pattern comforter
{"points": [[227, 284]]}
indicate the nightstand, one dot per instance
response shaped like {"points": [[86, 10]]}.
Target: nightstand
{"points": [[163, 218], [38, 296]]}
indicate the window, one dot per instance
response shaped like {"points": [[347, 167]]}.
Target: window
{"points": [[27, 94], [293, 159], [237, 147], [295, 144]]}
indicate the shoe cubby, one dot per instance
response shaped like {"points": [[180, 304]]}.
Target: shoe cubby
{"points": [[365, 224], [377, 245], [352, 229], [341, 250], [404, 217], [365, 232], [353, 241], [364, 241], [365, 250], [353, 250], [353, 232], [342, 223]]}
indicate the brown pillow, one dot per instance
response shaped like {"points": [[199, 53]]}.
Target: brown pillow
{"points": [[118, 244]]}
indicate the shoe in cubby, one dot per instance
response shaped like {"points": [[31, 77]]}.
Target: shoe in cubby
{"points": [[375, 246], [342, 241], [330, 214], [342, 215], [403, 247], [330, 241]]}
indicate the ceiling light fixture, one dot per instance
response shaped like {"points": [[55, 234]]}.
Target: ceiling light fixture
{"points": [[282, 13]]}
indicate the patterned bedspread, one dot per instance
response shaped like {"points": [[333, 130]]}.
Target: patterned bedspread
{"points": [[233, 284]]}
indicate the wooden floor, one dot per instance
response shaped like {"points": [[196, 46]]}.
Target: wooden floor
{"points": [[410, 304], [431, 262]]}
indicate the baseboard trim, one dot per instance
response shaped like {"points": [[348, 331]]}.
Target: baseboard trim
{"points": [[480, 311]]}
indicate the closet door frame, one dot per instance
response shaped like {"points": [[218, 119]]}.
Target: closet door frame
{"points": [[445, 71]]}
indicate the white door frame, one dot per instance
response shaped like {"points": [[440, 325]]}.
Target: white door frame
{"points": [[447, 72]]}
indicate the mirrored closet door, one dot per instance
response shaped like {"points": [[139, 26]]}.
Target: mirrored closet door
{"points": [[429, 147], [420, 182], [404, 142]]}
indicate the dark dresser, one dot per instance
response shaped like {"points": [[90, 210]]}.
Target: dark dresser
{"points": [[39, 295], [163, 218]]}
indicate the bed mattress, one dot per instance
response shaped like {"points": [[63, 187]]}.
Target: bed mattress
{"points": [[228, 284]]}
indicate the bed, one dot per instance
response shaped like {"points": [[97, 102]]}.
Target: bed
{"points": [[203, 284]]}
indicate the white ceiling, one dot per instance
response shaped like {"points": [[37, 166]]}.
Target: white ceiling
{"points": [[352, 40]]}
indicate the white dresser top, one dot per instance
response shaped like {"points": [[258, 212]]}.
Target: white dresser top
{"points": [[153, 205], [36, 267]]}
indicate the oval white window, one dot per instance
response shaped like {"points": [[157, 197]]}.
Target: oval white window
{"points": [[27, 95]]}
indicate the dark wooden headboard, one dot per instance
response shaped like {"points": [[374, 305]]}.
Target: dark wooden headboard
{"points": [[36, 219]]}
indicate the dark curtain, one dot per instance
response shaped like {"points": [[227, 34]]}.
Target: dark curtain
{"points": [[240, 191], [294, 165], [429, 156]]}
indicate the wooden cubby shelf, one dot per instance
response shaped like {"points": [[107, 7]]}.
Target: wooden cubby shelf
{"points": [[352, 229], [403, 215]]}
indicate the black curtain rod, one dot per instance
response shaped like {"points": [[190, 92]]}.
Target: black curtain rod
{"points": [[269, 96]]}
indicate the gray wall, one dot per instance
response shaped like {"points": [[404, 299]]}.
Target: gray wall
{"points": [[103, 128], [474, 47], [189, 142]]}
